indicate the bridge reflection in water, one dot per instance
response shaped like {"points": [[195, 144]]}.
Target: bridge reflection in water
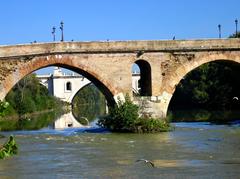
{"points": [[67, 121]]}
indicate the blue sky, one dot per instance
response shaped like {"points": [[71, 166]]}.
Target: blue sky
{"points": [[23, 21]]}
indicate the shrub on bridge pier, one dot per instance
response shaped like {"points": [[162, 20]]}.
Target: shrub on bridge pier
{"points": [[124, 117]]}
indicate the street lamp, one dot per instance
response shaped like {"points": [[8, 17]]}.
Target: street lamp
{"points": [[219, 31], [61, 27], [53, 32], [236, 23]]}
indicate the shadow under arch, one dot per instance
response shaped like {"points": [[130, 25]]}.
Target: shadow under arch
{"points": [[29, 67], [145, 82], [229, 75]]}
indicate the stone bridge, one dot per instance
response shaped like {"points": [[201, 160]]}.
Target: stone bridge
{"points": [[109, 65]]}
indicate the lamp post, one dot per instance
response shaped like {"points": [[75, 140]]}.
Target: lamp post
{"points": [[53, 32], [61, 27], [236, 23], [219, 31]]}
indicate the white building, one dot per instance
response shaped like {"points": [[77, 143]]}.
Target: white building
{"points": [[66, 86]]}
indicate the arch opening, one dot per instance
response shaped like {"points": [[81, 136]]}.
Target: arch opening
{"points": [[33, 92], [103, 88], [88, 103], [143, 86], [91, 77], [210, 92]]}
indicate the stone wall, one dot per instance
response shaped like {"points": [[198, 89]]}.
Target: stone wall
{"points": [[108, 64]]}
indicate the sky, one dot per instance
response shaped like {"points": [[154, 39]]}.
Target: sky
{"points": [[24, 21]]}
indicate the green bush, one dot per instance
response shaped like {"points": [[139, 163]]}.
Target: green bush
{"points": [[124, 117], [150, 125], [9, 148], [121, 117]]}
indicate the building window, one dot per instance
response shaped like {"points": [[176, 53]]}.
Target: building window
{"points": [[68, 86]]}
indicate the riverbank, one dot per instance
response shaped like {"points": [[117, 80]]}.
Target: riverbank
{"points": [[24, 116], [30, 121]]}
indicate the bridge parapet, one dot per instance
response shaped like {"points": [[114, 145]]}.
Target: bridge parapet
{"points": [[39, 49]]}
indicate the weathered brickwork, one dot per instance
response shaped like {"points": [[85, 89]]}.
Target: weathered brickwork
{"points": [[109, 64]]}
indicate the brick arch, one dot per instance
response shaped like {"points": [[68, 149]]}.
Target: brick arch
{"points": [[70, 62], [183, 69]]}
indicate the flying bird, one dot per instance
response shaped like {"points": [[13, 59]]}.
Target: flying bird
{"points": [[235, 98], [146, 161]]}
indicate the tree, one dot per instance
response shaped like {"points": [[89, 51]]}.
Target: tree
{"points": [[28, 96], [211, 86], [88, 102], [235, 35]]}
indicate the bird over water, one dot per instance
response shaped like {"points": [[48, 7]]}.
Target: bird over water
{"points": [[146, 161]]}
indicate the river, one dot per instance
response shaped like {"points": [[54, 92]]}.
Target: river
{"points": [[192, 150]]}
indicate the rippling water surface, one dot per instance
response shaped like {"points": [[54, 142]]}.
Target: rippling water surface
{"points": [[192, 150]]}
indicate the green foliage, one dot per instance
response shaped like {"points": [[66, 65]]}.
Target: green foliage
{"points": [[235, 35], [124, 117], [89, 102], [3, 107], [9, 148], [30, 122], [212, 86], [29, 96], [150, 125], [121, 117]]}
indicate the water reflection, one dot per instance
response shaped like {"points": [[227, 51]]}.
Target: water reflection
{"points": [[88, 111], [82, 116], [33, 122], [66, 121], [204, 115]]}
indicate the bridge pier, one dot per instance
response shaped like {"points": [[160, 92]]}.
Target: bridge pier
{"points": [[153, 106]]}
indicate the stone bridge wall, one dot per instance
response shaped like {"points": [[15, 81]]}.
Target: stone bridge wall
{"points": [[108, 64]]}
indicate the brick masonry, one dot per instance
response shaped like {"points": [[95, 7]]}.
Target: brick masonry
{"points": [[109, 64]]}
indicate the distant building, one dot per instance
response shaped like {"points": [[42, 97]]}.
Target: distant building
{"points": [[66, 86]]}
